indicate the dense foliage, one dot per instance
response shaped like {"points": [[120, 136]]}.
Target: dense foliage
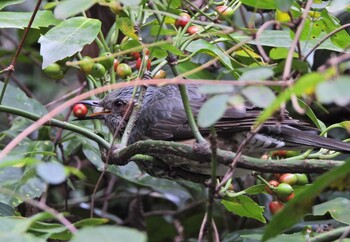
{"points": [[60, 179]]}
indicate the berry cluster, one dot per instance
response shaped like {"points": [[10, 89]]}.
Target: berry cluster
{"points": [[281, 187]]}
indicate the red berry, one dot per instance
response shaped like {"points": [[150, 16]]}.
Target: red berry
{"points": [[183, 19], [194, 29], [225, 11], [137, 55], [139, 63], [286, 199], [80, 110], [273, 183], [275, 206], [288, 178], [124, 70]]}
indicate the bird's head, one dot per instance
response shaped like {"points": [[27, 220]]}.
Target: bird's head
{"points": [[114, 109]]}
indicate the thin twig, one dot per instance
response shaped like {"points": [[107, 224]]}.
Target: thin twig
{"points": [[288, 65], [12, 65], [239, 153]]}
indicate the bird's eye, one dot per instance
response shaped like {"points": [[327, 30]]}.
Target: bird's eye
{"points": [[119, 103]]}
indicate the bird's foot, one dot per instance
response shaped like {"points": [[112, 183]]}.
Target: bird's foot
{"points": [[111, 156], [201, 148]]}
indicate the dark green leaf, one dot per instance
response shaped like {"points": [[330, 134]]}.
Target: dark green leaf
{"points": [[244, 206], [301, 204], [212, 110], [203, 46], [22, 183], [51, 172], [260, 96], [184, 67], [109, 234], [67, 38], [170, 189], [336, 91], [172, 49], [20, 20], [92, 152], [5, 3], [339, 209], [70, 8], [312, 115], [158, 30]]}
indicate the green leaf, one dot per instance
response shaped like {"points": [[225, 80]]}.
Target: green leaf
{"points": [[130, 2], [280, 53], [203, 46], [171, 48], [20, 20], [262, 4], [339, 209], [16, 98], [131, 43], [127, 27], [244, 206], [336, 91], [184, 67], [158, 30], [284, 5], [260, 73], [305, 85], [301, 204], [22, 183], [109, 234], [92, 152], [6, 210], [260, 96], [67, 38], [282, 38], [319, 124], [69, 8], [14, 224], [5, 3], [256, 189], [15, 237], [51, 172], [212, 110], [171, 190]]}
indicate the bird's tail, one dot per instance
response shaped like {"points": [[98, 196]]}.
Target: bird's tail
{"points": [[303, 138]]}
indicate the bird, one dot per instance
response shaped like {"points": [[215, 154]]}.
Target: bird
{"points": [[162, 117]]}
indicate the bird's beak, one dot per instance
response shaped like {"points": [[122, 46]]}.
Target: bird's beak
{"points": [[95, 115]]}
